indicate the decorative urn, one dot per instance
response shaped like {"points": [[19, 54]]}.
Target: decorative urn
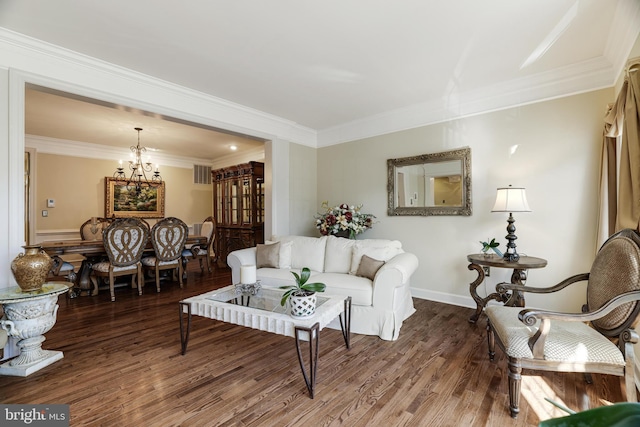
{"points": [[31, 268]]}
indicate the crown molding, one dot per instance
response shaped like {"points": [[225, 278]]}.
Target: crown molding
{"points": [[73, 70], [87, 150], [624, 32], [78, 73], [594, 74], [256, 154], [570, 80]]}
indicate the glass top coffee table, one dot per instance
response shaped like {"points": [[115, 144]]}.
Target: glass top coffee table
{"points": [[264, 312]]}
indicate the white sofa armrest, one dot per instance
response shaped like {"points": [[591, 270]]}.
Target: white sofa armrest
{"points": [[238, 258], [393, 274]]}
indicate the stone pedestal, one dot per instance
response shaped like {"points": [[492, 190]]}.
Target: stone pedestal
{"points": [[27, 317]]}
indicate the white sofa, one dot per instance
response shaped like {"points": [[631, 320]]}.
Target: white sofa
{"points": [[379, 305]]}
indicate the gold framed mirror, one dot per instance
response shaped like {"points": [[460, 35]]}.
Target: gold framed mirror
{"points": [[430, 184]]}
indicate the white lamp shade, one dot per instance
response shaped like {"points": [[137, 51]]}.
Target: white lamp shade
{"points": [[511, 199]]}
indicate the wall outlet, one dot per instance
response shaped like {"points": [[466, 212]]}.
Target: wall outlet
{"points": [[45, 213], [487, 271]]}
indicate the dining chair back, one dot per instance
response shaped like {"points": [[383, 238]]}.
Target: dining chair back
{"points": [[93, 228], [202, 252], [168, 237], [124, 242]]}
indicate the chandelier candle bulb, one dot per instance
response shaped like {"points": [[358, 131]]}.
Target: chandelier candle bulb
{"points": [[247, 274], [138, 178]]}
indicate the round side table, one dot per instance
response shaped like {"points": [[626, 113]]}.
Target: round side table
{"points": [[518, 277], [27, 316]]}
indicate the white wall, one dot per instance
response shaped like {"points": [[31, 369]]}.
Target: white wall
{"points": [[551, 148], [303, 189]]}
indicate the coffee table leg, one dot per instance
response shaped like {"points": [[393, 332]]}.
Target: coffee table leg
{"points": [[345, 324], [184, 335], [313, 334]]}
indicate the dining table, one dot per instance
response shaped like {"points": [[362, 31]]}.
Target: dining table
{"points": [[93, 251]]}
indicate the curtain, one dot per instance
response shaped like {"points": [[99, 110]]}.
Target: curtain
{"points": [[619, 193]]}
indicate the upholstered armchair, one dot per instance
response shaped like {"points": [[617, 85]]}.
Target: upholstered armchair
{"points": [[168, 237], [124, 241], [598, 340], [202, 252]]}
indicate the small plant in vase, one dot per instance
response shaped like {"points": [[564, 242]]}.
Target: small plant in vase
{"points": [[302, 295], [492, 245]]}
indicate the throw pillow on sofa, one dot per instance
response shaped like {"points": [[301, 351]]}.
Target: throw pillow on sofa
{"points": [[338, 255], [284, 254], [306, 251], [268, 255], [380, 250], [368, 267]]}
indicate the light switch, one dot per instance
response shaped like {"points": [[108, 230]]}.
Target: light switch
{"points": [[45, 213], [51, 203]]}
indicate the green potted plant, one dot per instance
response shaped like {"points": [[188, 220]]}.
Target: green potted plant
{"points": [[492, 245], [623, 414], [302, 295]]}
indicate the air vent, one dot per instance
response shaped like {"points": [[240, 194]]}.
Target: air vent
{"points": [[197, 229], [201, 174]]}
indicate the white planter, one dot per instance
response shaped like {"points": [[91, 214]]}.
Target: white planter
{"points": [[303, 305]]}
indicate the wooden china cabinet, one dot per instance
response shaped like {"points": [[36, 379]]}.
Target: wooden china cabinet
{"points": [[238, 208]]}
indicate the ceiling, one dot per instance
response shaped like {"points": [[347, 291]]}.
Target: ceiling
{"points": [[327, 64], [55, 114]]}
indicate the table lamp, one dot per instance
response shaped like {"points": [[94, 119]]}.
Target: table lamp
{"points": [[511, 199]]}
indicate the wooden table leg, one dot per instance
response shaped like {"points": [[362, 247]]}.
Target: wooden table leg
{"points": [[481, 302], [313, 335], [519, 277], [83, 281]]}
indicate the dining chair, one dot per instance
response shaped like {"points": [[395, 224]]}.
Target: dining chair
{"points": [[202, 252], [598, 340], [61, 269], [168, 237], [124, 241], [92, 228]]}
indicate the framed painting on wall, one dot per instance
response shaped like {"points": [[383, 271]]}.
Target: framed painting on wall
{"points": [[123, 201]]}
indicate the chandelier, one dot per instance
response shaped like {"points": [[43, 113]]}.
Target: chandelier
{"points": [[139, 170]]}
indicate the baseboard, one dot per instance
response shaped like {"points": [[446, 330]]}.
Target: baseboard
{"points": [[462, 301]]}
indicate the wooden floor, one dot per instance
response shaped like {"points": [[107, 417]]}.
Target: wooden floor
{"points": [[122, 367]]}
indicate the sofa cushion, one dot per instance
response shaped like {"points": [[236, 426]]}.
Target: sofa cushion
{"points": [[306, 251], [337, 258], [360, 289], [379, 249], [274, 277], [268, 255], [368, 267]]}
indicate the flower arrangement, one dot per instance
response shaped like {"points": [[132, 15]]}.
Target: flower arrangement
{"points": [[343, 218]]}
